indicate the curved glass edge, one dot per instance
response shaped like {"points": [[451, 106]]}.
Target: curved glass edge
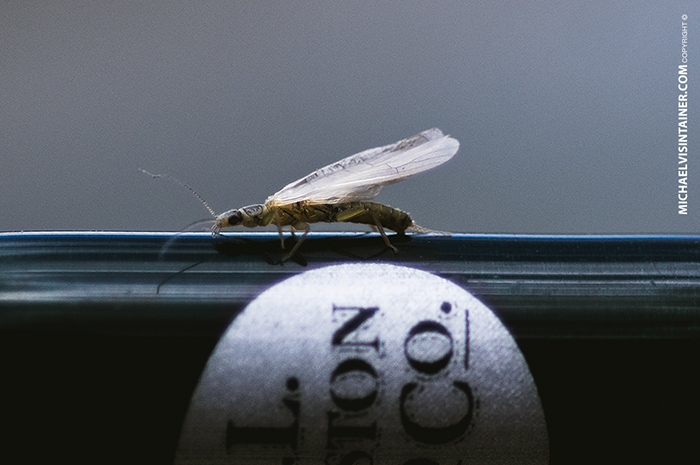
{"points": [[540, 285]]}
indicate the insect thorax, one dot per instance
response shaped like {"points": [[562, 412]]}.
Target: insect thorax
{"points": [[250, 216]]}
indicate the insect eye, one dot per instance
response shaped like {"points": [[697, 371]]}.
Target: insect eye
{"points": [[235, 218]]}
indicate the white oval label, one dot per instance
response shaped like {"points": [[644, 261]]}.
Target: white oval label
{"points": [[365, 364]]}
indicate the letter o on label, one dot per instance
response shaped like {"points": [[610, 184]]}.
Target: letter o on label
{"points": [[428, 347], [354, 385]]}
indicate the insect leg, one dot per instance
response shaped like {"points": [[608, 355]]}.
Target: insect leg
{"points": [[298, 244], [381, 231], [279, 230], [347, 215], [276, 220]]}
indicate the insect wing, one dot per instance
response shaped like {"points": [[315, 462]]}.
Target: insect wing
{"points": [[360, 177]]}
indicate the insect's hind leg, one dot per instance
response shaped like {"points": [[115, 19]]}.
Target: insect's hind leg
{"points": [[381, 231], [349, 214]]}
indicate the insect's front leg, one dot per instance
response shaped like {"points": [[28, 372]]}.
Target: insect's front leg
{"points": [[274, 216], [279, 230]]}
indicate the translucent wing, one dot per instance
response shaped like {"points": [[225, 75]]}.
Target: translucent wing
{"points": [[360, 177]]}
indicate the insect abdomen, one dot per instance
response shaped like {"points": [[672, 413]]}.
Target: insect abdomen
{"points": [[371, 212]]}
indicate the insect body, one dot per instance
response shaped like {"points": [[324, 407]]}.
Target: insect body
{"points": [[299, 214], [342, 191]]}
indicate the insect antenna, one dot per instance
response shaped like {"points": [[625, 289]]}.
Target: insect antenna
{"points": [[176, 180], [191, 227]]}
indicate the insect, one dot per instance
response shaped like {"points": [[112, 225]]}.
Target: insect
{"points": [[342, 191]]}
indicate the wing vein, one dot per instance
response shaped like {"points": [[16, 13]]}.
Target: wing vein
{"points": [[361, 176]]}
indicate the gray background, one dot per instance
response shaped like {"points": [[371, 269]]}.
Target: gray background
{"points": [[566, 111]]}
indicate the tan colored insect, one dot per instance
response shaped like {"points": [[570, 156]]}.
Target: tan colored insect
{"points": [[342, 191]]}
